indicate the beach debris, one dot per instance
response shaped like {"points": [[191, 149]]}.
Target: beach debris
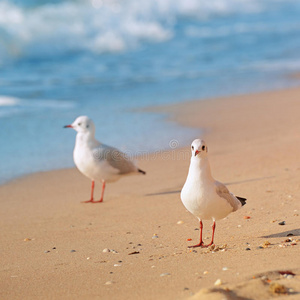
{"points": [[180, 222], [155, 236], [72, 251], [266, 244], [101, 261], [106, 250], [205, 272], [213, 248], [286, 273], [247, 217], [108, 282], [260, 247], [277, 288], [134, 252], [247, 249], [290, 234], [189, 240], [281, 223], [218, 282], [47, 251], [117, 265], [27, 239], [164, 274], [224, 268]]}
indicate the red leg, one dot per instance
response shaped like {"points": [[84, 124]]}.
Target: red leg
{"points": [[102, 193], [213, 234], [201, 242], [92, 194]]}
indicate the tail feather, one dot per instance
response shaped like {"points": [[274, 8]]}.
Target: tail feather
{"points": [[141, 171], [242, 200]]}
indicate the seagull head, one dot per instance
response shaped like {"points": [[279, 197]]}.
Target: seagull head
{"points": [[82, 124], [199, 148]]}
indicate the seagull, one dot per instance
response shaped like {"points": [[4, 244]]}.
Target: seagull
{"points": [[202, 195], [96, 160]]}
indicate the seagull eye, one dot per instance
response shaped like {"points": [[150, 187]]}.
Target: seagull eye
{"points": [[79, 124], [203, 148], [192, 147]]}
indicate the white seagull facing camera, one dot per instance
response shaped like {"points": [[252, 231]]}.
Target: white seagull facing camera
{"points": [[202, 195], [97, 161]]}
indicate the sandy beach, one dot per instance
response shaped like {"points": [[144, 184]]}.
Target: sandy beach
{"points": [[52, 244]]}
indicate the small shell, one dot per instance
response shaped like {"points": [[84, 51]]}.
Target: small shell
{"points": [[218, 282]]}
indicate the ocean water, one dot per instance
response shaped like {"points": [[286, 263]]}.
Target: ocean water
{"points": [[109, 59]]}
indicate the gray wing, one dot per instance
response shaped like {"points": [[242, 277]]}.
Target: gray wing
{"points": [[223, 192], [115, 159]]}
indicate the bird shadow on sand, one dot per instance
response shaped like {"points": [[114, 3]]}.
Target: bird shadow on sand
{"points": [[248, 180], [164, 193], [289, 233], [227, 183]]}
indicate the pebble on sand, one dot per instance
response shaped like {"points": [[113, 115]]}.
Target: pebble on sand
{"points": [[281, 223], [164, 274], [266, 244], [108, 282], [180, 222], [218, 282], [106, 250], [277, 288]]}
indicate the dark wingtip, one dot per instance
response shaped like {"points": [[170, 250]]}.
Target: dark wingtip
{"points": [[141, 171], [242, 200]]}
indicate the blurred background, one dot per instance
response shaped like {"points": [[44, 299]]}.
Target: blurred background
{"points": [[110, 59]]}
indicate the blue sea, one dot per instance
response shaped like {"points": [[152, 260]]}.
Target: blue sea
{"points": [[110, 59]]}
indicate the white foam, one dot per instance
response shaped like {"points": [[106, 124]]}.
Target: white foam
{"points": [[102, 25], [13, 106], [9, 101]]}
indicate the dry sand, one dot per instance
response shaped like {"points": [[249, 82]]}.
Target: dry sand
{"points": [[52, 245]]}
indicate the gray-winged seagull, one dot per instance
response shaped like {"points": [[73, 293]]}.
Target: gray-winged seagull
{"points": [[202, 195], [96, 160]]}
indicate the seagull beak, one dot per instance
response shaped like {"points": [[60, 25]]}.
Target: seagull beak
{"points": [[68, 126], [196, 152]]}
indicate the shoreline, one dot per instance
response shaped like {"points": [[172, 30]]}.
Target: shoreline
{"points": [[253, 148], [170, 115]]}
